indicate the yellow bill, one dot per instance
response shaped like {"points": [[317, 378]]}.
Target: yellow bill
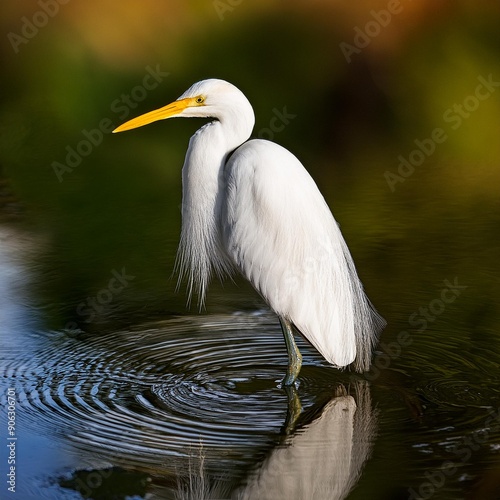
{"points": [[167, 111]]}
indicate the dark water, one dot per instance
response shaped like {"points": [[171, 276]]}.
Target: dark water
{"points": [[134, 398]]}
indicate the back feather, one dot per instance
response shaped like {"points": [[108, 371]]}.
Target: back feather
{"points": [[280, 233]]}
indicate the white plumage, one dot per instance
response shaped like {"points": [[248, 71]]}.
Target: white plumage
{"points": [[252, 207]]}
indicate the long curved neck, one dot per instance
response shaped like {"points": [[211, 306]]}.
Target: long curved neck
{"points": [[200, 252]]}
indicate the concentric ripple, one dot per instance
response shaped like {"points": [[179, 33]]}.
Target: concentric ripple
{"points": [[149, 395], [458, 394]]}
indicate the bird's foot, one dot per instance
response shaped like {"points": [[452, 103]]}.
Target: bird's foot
{"points": [[289, 379]]}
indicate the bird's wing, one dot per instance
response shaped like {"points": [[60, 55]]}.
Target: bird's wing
{"points": [[280, 233]]}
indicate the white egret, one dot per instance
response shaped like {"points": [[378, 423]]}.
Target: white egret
{"points": [[250, 206]]}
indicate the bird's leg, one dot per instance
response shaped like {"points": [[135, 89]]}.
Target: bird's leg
{"points": [[294, 356]]}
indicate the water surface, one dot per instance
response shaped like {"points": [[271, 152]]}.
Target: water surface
{"points": [[123, 392]]}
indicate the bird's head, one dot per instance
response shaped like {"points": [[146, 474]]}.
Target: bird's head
{"points": [[211, 98]]}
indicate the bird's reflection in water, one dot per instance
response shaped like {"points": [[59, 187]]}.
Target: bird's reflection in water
{"points": [[322, 458]]}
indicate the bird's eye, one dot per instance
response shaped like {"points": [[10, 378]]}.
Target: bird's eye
{"points": [[200, 99]]}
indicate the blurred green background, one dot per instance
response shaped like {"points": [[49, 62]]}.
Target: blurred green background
{"points": [[363, 86], [355, 111]]}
